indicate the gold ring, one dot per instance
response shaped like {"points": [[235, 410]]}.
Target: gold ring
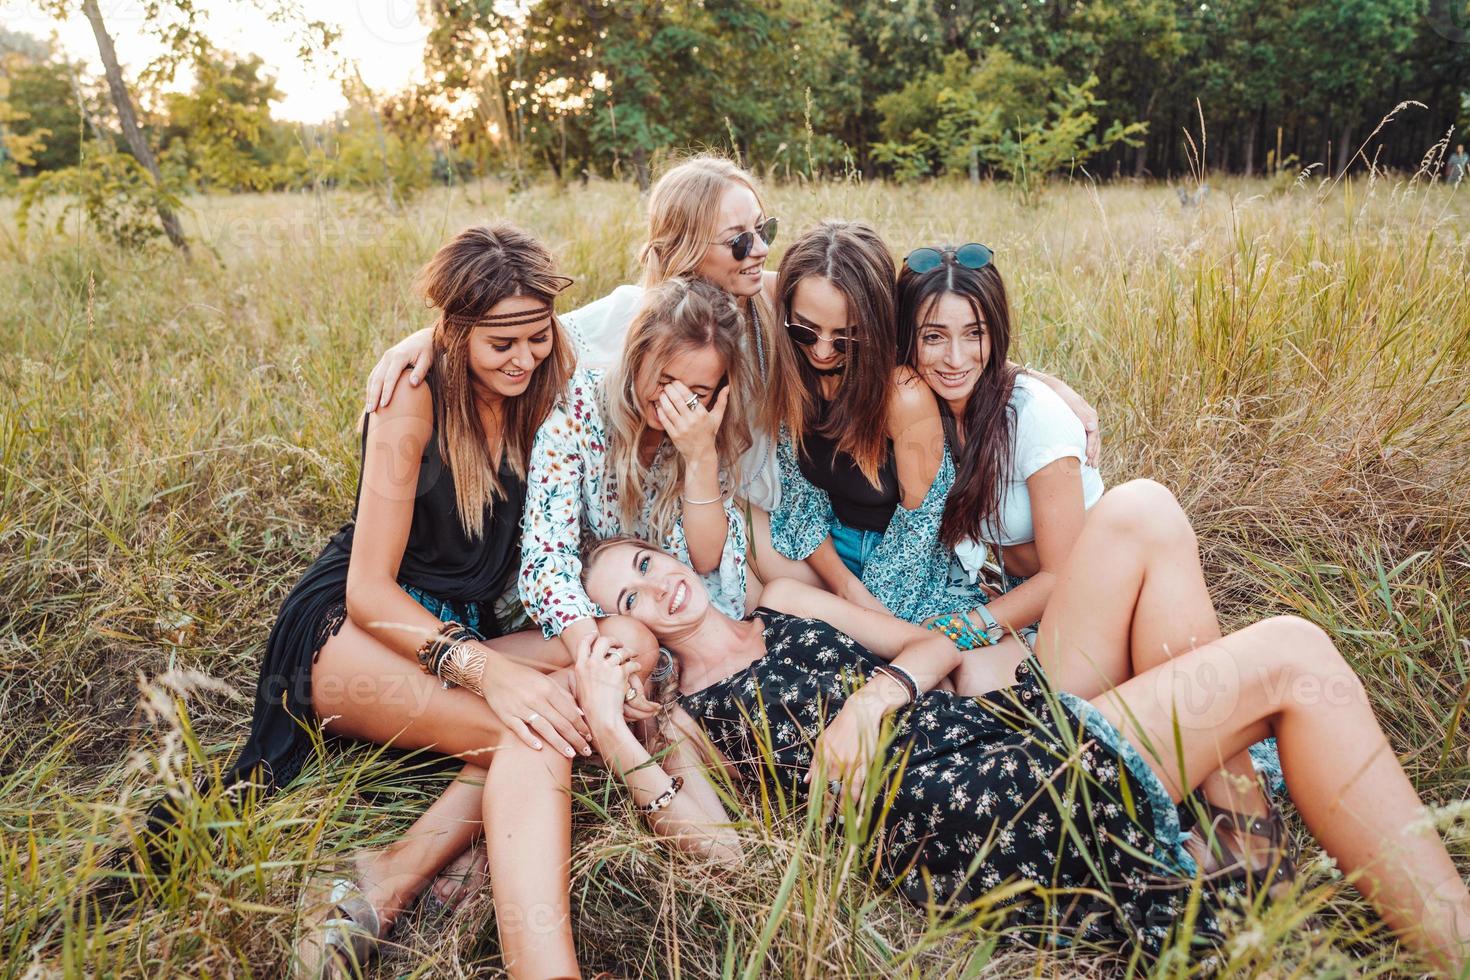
{"points": [[630, 694]]}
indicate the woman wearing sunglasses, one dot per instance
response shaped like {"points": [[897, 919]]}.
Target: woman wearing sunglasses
{"points": [[858, 467], [706, 219], [1021, 491]]}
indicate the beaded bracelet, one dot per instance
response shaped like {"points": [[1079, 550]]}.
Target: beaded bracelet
{"points": [[663, 799], [904, 679]]}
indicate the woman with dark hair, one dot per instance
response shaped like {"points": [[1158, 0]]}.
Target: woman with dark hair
{"points": [[860, 457], [1021, 490], [1069, 805], [1022, 484]]}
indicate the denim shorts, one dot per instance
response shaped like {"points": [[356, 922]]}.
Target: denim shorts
{"points": [[855, 547]]}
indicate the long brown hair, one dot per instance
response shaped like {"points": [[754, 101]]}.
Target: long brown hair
{"points": [[853, 258], [683, 210], [982, 465], [466, 278], [680, 315]]}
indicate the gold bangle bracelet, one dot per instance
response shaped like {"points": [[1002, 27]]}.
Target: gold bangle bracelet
{"points": [[464, 667]]}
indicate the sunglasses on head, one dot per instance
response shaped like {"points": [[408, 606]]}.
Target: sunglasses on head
{"points": [[807, 337], [742, 243], [971, 255]]}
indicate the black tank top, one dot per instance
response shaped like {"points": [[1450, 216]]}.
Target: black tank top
{"points": [[440, 558], [855, 501]]}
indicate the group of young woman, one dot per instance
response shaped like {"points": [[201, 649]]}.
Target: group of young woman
{"points": [[813, 530]]}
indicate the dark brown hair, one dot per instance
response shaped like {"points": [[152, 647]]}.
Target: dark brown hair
{"points": [[466, 278], [853, 258], [981, 465]]}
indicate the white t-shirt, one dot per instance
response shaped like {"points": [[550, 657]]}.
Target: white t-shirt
{"points": [[1046, 431], [598, 330]]}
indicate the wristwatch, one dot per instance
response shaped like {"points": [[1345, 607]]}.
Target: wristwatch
{"points": [[993, 632]]}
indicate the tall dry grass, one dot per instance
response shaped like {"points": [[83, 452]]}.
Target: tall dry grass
{"points": [[176, 440]]}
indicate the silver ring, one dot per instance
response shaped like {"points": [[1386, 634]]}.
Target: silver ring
{"points": [[834, 786], [533, 716], [691, 402]]}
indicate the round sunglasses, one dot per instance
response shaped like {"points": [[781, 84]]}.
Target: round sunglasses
{"points": [[971, 255], [742, 243], [807, 337]]}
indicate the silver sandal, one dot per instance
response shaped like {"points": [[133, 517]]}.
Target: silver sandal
{"points": [[339, 930]]}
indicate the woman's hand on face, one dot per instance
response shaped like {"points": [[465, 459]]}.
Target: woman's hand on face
{"points": [[604, 673], [415, 351], [535, 706], [690, 426], [846, 748]]}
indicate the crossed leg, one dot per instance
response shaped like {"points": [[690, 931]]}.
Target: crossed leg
{"points": [[364, 690], [1137, 542], [1280, 677]]}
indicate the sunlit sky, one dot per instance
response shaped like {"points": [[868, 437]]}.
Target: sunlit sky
{"points": [[384, 38]]}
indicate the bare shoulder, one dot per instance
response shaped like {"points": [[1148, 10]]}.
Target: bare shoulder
{"points": [[409, 402], [785, 594], [913, 400], [768, 286]]}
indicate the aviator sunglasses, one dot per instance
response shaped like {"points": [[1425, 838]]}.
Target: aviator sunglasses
{"points": [[742, 243], [971, 255]]}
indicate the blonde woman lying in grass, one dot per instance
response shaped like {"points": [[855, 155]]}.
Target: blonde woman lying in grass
{"points": [[1026, 784]]}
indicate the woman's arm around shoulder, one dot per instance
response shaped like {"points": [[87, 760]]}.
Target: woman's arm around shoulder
{"points": [[917, 433], [880, 632], [416, 351]]}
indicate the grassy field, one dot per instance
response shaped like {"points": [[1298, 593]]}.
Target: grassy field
{"points": [[176, 442]]}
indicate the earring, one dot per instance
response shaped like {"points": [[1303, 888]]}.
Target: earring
{"points": [[665, 668]]}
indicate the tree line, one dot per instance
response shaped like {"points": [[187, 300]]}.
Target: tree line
{"points": [[905, 89]]}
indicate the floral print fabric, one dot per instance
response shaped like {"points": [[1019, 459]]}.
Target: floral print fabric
{"points": [[1015, 788], [909, 572], [571, 500]]}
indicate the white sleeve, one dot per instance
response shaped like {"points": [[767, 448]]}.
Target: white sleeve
{"points": [[598, 329], [1046, 430]]}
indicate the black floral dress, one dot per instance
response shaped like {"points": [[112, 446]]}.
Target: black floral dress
{"points": [[1022, 786]]}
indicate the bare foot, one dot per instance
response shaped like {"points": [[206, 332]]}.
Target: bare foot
{"points": [[462, 878]]}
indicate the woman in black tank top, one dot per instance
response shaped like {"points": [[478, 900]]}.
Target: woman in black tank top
{"points": [[409, 586]]}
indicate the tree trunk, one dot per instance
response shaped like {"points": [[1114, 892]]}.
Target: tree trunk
{"points": [[1344, 148], [128, 118], [640, 167], [1249, 163]]}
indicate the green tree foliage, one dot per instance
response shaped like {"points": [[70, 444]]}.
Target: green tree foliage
{"points": [[1023, 122], [222, 129]]}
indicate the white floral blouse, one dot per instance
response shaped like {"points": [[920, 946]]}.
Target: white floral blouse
{"points": [[571, 500]]}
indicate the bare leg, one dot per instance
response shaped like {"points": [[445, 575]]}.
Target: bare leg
{"points": [[1284, 677], [391, 877], [363, 689], [769, 563], [528, 815], [1138, 545]]}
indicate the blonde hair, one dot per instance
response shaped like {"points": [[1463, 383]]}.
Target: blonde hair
{"points": [[683, 215], [464, 281], [677, 316]]}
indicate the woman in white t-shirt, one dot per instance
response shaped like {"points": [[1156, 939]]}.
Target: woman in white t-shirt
{"points": [[1022, 484]]}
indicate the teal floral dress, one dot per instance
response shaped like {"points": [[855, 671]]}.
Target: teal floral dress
{"points": [[572, 500], [911, 573]]}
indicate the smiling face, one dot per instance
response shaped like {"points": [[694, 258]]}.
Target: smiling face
{"points": [[648, 585], [739, 212], [502, 359], [700, 369], [821, 307], [953, 348]]}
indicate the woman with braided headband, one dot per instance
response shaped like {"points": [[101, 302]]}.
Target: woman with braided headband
{"points": [[390, 636]]}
